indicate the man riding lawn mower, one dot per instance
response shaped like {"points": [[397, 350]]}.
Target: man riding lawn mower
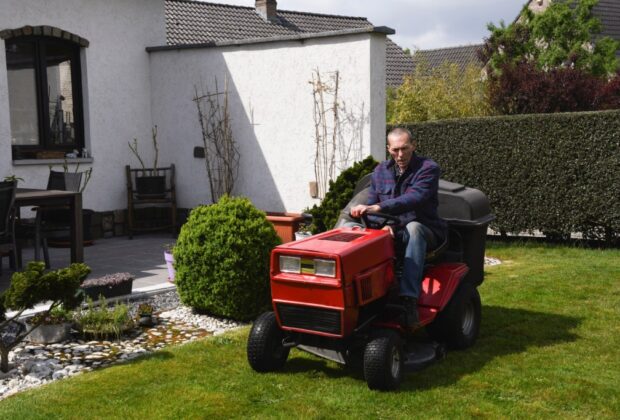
{"points": [[337, 294]]}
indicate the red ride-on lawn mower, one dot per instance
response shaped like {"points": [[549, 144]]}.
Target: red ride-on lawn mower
{"points": [[335, 294]]}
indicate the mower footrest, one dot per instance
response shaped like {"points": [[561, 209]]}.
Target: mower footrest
{"points": [[420, 355]]}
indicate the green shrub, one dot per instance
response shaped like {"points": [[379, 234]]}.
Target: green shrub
{"points": [[557, 173], [222, 259], [325, 215]]}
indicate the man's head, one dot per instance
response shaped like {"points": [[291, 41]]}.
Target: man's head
{"points": [[401, 146]]}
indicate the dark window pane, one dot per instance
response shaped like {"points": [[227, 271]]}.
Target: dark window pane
{"points": [[21, 77], [60, 95]]}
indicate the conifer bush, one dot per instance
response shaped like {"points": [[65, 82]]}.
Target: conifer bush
{"points": [[222, 259], [325, 215]]}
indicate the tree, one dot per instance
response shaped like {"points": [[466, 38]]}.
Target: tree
{"points": [[565, 35], [446, 91], [524, 89], [30, 287]]}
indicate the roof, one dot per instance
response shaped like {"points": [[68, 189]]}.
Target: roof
{"points": [[398, 64], [608, 11], [463, 56], [194, 22]]}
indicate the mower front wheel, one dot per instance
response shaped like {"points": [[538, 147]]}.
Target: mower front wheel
{"points": [[265, 350], [383, 361]]}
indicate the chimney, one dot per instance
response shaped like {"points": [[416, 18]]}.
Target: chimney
{"points": [[267, 9]]}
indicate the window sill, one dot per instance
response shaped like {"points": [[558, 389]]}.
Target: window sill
{"points": [[25, 162]]}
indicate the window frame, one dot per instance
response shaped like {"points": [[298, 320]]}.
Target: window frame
{"points": [[39, 44]]}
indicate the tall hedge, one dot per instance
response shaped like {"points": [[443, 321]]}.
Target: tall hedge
{"points": [[557, 173]]}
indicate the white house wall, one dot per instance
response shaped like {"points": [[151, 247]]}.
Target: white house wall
{"points": [[116, 84], [272, 111]]}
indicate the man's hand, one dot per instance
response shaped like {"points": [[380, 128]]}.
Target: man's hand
{"points": [[360, 209], [389, 229]]}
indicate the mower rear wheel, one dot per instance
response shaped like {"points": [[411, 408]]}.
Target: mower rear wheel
{"points": [[383, 361], [265, 350], [459, 323]]}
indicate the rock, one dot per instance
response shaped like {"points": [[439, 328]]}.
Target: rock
{"points": [[59, 374]]}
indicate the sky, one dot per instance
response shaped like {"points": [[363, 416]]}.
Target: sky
{"points": [[419, 24]]}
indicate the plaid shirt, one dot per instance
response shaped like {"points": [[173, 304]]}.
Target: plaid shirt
{"points": [[410, 196]]}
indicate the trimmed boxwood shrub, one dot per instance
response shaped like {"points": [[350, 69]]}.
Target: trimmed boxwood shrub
{"points": [[222, 259], [556, 173], [325, 215]]}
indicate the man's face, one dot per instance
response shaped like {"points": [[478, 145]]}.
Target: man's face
{"points": [[401, 149]]}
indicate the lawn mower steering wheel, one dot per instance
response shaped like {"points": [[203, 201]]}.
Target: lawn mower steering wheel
{"points": [[388, 220]]}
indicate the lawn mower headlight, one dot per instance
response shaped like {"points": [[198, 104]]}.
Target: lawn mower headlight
{"points": [[325, 268], [290, 264]]}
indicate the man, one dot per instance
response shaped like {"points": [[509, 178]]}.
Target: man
{"points": [[406, 186]]}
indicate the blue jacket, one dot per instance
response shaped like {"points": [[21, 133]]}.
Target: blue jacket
{"points": [[411, 196]]}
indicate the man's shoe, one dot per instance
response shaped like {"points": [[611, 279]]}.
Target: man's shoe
{"points": [[411, 312]]}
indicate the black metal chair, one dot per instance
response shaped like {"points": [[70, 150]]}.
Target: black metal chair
{"points": [[151, 188], [50, 219], [8, 246]]}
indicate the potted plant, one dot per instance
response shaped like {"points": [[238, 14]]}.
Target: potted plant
{"points": [[149, 184], [13, 178], [101, 322], [145, 315], [111, 285], [303, 231], [53, 326], [169, 258]]}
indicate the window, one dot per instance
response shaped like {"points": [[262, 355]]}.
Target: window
{"points": [[45, 97]]}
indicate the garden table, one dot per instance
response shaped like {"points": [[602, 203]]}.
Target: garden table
{"points": [[72, 199]]}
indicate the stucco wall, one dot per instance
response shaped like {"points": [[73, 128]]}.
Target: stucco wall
{"points": [[271, 106], [115, 70]]}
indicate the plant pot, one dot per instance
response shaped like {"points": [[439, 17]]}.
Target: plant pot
{"points": [[146, 321], [151, 186], [285, 224], [170, 265], [115, 290], [63, 241], [302, 235], [50, 333]]}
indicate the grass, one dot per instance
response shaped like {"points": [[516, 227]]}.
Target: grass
{"points": [[549, 347]]}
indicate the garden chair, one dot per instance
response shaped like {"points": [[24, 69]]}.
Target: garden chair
{"points": [[150, 190]]}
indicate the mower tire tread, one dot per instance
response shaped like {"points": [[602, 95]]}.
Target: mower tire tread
{"points": [[265, 350], [458, 324], [383, 361]]}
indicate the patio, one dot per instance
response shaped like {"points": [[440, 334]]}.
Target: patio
{"points": [[142, 256]]}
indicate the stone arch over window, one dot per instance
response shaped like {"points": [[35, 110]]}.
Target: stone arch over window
{"points": [[43, 30]]}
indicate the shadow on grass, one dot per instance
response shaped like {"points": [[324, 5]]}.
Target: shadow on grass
{"points": [[504, 331], [322, 367]]}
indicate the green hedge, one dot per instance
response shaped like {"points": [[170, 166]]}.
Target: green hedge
{"points": [[557, 173]]}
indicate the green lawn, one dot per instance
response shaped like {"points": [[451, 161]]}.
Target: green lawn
{"points": [[549, 347]]}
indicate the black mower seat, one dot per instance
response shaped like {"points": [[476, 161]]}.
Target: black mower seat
{"points": [[433, 254]]}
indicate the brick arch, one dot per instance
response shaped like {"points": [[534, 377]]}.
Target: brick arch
{"points": [[43, 30]]}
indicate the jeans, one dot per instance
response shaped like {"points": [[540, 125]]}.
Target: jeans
{"points": [[415, 238]]}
